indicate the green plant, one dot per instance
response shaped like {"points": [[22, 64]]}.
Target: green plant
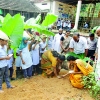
{"points": [[91, 84]]}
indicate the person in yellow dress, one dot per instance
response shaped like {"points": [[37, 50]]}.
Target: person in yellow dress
{"points": [[78, 68], [51, 63]]}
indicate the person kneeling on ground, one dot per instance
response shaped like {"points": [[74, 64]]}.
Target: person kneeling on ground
{"points": [[50, 63], [78, 68]]}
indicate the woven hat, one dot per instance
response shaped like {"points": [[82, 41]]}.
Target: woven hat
{"points": [[3, 36]]}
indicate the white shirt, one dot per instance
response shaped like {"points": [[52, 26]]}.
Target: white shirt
{"points": [[3, 53], [58, 22], [10, 61], [64, 24], [92, 44], [42, 45], [79, 47], [56, 42]]}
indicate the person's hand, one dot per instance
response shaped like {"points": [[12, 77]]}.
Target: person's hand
{"points": [[37, 42], [96, 56], [23, 62], [66, 50], [7, 58], [43, 49], [59, 77]]}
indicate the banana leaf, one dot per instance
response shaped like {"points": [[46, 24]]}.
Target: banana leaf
{"points": [[49, 19], [48, 33], [36, 27]]}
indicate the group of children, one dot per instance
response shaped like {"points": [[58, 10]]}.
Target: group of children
{"points": [[28, 55]]}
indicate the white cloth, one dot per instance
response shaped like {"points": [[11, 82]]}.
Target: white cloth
{"points": [[64, 24], [42, 45], [92, 44], [79, 47], [18, 60], [3, 53], [35, 55], [56, 42], [50, 41], [58, 22], [26, 57], [69, 25], [10, 61], [97, 70]]}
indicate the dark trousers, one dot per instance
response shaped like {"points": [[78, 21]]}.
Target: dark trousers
{"points": [[91, 54], [11, 72], [27, 72], [4, 73], [36, 69]]}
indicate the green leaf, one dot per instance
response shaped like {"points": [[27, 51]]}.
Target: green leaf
{"points": [[75, 55], [17, 30], [38, 19], [49, 19], [30, 21], [6, 19], [1, 19], [40, 29], [94, 29]]}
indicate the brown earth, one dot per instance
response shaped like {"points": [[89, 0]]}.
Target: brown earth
{"points": [[42, 88]]}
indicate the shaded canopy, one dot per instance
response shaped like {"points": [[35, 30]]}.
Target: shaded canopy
{"points": [[18, 5], [74, 2]]}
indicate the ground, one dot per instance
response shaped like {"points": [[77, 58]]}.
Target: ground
{"points": [[42, 88]]}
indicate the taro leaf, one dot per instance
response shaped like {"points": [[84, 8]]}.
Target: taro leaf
{"points": [[7, 25], [1, 19], [72, 54], [17, 30], [49, 19], [30, 21], [6, 19], [86, 59], [38, 19], [13, 27]]}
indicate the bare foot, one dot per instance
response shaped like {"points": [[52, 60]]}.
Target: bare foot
{"points": [[1, 91]]}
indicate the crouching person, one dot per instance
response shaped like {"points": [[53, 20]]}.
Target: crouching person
{"points": [[3, 64], [51, 62], [77, 69]]}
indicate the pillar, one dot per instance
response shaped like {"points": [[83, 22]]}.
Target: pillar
{"points": [[77, 14]]}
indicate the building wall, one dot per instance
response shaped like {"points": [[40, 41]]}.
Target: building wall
{"points": [[43, 6], [57, 8]]}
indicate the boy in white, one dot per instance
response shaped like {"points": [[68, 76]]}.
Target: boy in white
{"points": [[3, 64]]}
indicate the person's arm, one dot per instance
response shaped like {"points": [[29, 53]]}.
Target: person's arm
{"points": [[71, 49], [5, 58], [35, 45], [61, 44], [71, 73], [86, 52], [71, 45], [22, 57]]}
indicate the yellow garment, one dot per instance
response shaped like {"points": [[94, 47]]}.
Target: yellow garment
{"points": [[48, 61], [84, 68]]}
